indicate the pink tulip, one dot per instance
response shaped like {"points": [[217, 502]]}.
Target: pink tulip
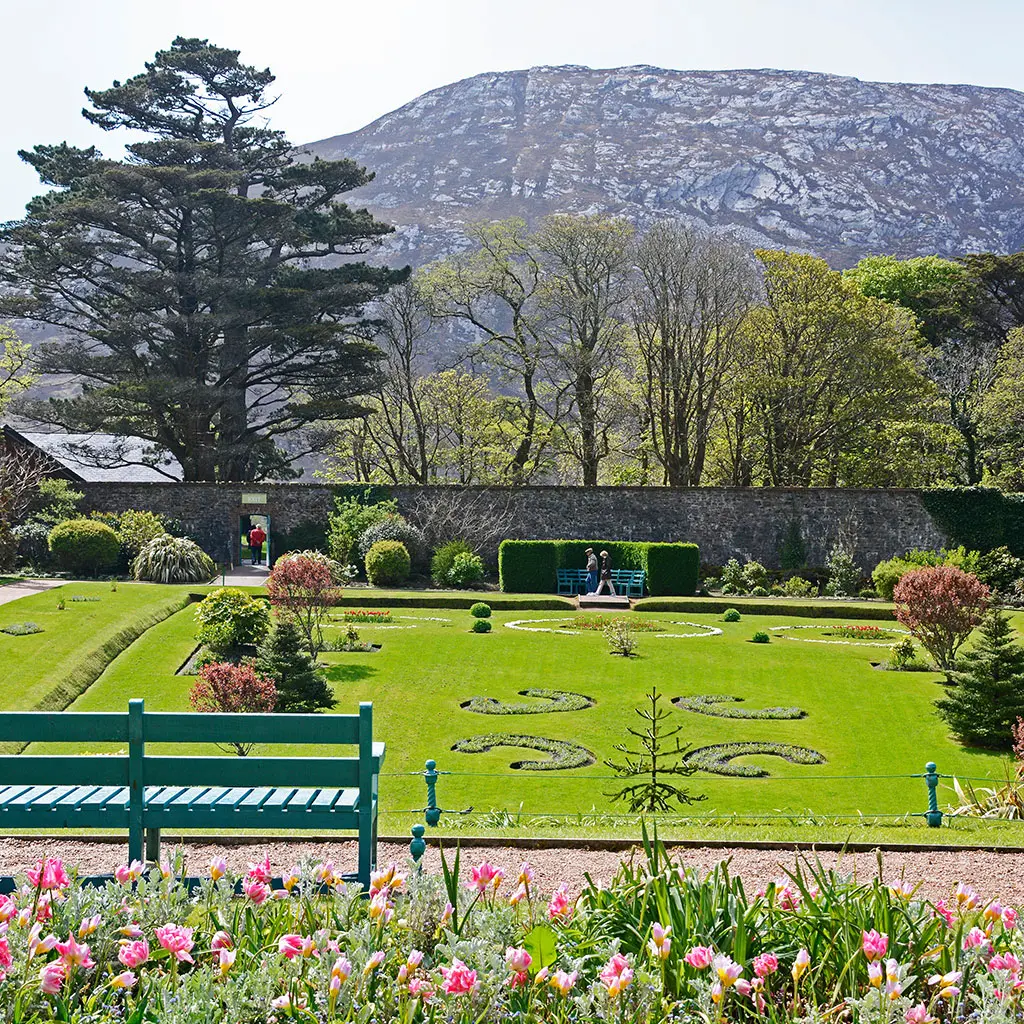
{"points": [[993, 912], [941, 910], [563, 983], [37, 944], [341, 971], [765, 964], [260, 871], [48, 874], [8, 908], [218, 868], [918, 1015], [5, 954], [525, 874], [74, 954], [126, 980], [975, 939], [560, 907], [52, 976], [875, 945], [727, 970], [257, 891], [801, 964], [132, 954], [1004, 962], [521, 893], [225, 960], [446, 916], [221, 940], [419, 988], [177, 941], [1009, 918], [290, 946], [966, 897], [374, 962], [129, 872], [875, 974], [700, 957], [518, 960], [616, 975], [458, 979], [484, 877], [89, 925]]}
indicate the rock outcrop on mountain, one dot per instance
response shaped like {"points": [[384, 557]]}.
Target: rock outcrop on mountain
{"points": [[801, 160]]}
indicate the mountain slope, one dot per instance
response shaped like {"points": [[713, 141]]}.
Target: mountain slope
{"points": [[833, 165]]}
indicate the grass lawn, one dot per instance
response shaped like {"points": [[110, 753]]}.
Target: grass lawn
{"points": [[865, 722]]}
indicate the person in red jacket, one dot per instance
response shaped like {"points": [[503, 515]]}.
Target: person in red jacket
{"points": [[256, 538]]}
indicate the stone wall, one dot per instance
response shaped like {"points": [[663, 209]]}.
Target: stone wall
{"points": [[724, 521]]}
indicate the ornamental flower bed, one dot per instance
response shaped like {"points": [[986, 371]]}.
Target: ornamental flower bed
{"points": [[656, 945], [849, 632], [369, 616]]}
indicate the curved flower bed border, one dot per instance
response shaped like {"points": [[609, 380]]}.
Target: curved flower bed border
{"points": [[717, 758], [711, 704], [556, 700], [844, 643], [526, 626], [563, 753]]}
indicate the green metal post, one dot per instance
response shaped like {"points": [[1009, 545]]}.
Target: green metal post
{"points": [[136, 780], [418, 845], [931, 777], [432, 812]]}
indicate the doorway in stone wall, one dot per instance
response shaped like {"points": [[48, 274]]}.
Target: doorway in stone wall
{"points": [[254, 550]]}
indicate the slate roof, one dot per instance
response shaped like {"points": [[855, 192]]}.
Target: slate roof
{"points": [[103, 458]]}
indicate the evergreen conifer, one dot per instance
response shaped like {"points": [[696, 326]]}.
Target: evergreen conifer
{"points": [[987, 696], [301, 686]]}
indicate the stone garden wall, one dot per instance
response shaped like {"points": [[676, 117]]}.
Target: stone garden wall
{"points": [[724, 521]]}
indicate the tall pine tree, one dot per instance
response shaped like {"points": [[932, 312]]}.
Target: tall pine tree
{"points": [[301, 686], [196, 284], [987, 696]]}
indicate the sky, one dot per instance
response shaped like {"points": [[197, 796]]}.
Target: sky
{"points": [[340, 64]]}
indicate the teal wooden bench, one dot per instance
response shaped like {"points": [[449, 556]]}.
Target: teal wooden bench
{"points": [[145, 793], [627, 581]]}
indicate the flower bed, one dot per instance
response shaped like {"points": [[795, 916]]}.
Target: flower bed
{"points": [[553, 700], [657, 944], [531, 626], [562, 753], [720, 706], [634, 623], [718, 757], [370, 616]]}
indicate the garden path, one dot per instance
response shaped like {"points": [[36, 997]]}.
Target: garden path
{"points": [[26, 588]]}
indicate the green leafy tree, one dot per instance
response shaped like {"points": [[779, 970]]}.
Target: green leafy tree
{"points": [[197, 283], [655, 757], [987, 694], [284, 658]]}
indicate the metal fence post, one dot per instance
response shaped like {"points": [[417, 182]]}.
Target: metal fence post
{"points": [[432, 812], [418, 845], [931, 778]]}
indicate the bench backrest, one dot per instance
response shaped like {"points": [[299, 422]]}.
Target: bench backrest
{"points": [[138, 727]]}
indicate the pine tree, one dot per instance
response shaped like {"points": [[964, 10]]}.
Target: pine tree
{"points": [[301, 686], [987, 696]]}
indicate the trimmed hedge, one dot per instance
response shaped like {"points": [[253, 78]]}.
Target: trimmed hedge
{"points": [[806, 610], [530, 566]]}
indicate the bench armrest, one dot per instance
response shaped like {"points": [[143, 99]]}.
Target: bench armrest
{"points": [[378, 757]]}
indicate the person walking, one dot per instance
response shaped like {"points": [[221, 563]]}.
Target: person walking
{"points": [[606, 575], [256, 539], [592, 568]]}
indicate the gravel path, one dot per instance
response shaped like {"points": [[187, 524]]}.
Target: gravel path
{"points": [[992, 874], [26, 588]]}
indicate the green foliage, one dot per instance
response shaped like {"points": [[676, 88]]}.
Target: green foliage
{"points": [[654, 761], [621, 638], [554, 700], [443, 558], [760, 637], [341, 575], [760, 592], [889, 572], [467, 568], [902, 653], [481, 626], [135, 528], [55, 501], [305, 536], [480, 610], [755, 575], [84, 546], [563, 754], [843, 575], [284, 658], [978, 518], [793, 550], [719, 706], [718, 758], [388, 563], [229, 618], [167, 559], [731, 615], [353, 516], [21, 628], [395, 528], [797, 586], [672, 569], [987, 694], [732, 579], [999, 570], [527, 566]]}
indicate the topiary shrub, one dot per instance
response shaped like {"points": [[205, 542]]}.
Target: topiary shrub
{"points": [[527, 566], [731, 615], [443, 559], [84, 546], [760, 637], [672, 569], [760, 592], [481, 626], [229, 617], [170, 559], [480, 610], [388, 563], [395, 529]]}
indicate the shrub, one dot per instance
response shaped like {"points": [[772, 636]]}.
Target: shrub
{"points": [[443, 557], [84, 546], [21, 628], [223, 687], [672, 569], [760, 592], [301, 687], [797, 586], [621, 639], [731, 615], [527, 566], [719, 705], [480, 610], [940, 605], [168, 559], [562, 754], [137, 528], [843, 575], [466, 569], [999, 570], [388, 563], [554, 701], [760, 637], [755, 576], [733, 578], [481, 626], [230, 618], [341, 574], [395, 529], [902, 653], [351, 519], [303, 589], [889, 572], [792, 550]]}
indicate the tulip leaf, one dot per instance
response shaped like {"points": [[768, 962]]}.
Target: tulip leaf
{"points": [[539, 942]]}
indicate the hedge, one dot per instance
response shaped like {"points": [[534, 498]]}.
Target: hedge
{"points": [[811, 609], [530, 566], [979, 518]]}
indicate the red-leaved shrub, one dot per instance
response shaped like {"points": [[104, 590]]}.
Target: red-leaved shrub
{"points": [[941, 605], [303, 590], [233, 688]]}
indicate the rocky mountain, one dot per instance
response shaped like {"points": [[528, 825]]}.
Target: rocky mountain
{"points": [[800, 160]]}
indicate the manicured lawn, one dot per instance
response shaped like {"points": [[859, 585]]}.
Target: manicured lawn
{"points": [[865, 722]]}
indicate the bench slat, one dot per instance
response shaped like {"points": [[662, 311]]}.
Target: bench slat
{"points": [[187, 797], [301, 799], [348, 800], [55, 770], [335, 772], [106, 796], [256, 799], [52, 798], [169, 727], [59, 727], [160, 796], [209, 798], [232, 798], [21, 802], [278, 798], [75, 798], [10, 792]]}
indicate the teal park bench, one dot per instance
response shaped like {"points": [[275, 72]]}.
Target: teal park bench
{"points": [[627, 581], [149, 792]]}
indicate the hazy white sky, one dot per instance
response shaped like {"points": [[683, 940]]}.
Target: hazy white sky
{"points": [[341, 64]]}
